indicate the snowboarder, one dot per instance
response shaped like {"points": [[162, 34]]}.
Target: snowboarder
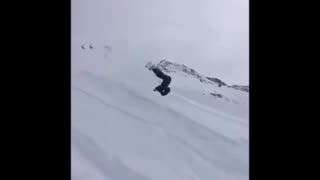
{"points": [[163, 87]]}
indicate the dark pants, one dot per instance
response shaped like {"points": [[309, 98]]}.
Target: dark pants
{"points": [[165, 83], [163, 87]]}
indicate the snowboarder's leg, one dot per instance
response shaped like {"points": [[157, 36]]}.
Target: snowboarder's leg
{"points": [[159, 88], [166, 81]]}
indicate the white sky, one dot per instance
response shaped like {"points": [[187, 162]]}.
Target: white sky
{"points": [[210, 36]]}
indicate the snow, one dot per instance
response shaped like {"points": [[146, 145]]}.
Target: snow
{"points": [[123, 130]]}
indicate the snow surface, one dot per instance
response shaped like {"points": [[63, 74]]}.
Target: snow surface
{"points": [[123, 130]]}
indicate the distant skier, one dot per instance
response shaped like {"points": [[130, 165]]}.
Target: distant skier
{"points": [[84, 47], [163, 88]]}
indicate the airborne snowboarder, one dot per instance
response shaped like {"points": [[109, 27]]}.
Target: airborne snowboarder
{"points": [[163, 87]]}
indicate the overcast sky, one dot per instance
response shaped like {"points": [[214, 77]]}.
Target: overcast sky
{"points": [[211, 36]]}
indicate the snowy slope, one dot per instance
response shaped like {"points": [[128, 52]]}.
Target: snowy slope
{"points": [[122, 130]]}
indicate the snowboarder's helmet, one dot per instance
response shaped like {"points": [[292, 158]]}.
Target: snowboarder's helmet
{"points": [[150, 66]]}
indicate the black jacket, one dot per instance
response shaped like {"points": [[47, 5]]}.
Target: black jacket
{"points": [[159, 73], [166, 79]]}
